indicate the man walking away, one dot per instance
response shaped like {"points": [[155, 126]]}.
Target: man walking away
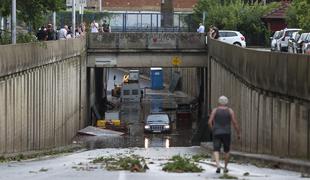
{"points": [[220, 122]]}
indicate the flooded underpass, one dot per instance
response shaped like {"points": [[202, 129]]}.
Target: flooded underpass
{"points": [[179, 107]]}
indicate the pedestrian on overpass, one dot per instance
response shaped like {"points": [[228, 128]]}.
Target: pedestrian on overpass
{"points": [[201, 28], [220, 122]]}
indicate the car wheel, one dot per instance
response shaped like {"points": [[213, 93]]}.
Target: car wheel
{"points": [[237, 44]]}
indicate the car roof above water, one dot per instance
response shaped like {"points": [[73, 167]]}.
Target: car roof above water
{"points": [[158, 117]]}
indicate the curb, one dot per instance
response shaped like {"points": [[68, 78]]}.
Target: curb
{"points": [[271, 161]]}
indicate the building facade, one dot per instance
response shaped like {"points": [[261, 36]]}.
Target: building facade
{"points": [[135, 5]]}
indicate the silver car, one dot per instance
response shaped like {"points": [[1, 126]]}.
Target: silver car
{"points": [[282, 42], [306, 45], [274, 39], [157, 123]]}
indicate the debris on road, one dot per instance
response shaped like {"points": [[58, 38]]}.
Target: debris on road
{"points": [[133, 163], [93, 131]]}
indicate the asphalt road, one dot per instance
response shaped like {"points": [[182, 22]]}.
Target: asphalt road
{"points": [[78, 166]]}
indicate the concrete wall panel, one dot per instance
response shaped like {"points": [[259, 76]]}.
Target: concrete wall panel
{"points": [[302, 76], [39, 95], [133, 41], [261, 119], [10, 123], [20, 57], [142, 40], [30, 110], [254, 121], [276, 124], [190, 41], [2, 116], [17, 115]]}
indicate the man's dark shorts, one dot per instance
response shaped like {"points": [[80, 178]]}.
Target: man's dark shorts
{"points": [[218, 140]]}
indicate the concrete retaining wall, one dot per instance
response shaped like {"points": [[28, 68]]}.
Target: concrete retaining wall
{"points": [[42, 95], [269, 95], [146, 41]]}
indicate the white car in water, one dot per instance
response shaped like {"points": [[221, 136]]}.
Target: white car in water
{"points": [[232, 37]]}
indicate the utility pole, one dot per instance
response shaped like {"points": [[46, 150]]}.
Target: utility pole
{"points": [[54, 24], [73, 19], [1, 23], [81, 12], [13, 22]]}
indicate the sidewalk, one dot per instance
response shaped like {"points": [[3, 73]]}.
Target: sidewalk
{"points": [[268, 160]]}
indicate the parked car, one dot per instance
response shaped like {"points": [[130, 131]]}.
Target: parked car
{"points": [[274, 39], [232, 37], [282, 43], [301, 41], [158, 123], [292, 42], [306, 44]]}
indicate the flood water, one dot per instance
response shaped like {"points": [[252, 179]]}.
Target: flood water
{"points": [[184, 125]]}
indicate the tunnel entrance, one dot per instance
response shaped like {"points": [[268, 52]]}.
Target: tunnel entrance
{"points": [[180, 97]]}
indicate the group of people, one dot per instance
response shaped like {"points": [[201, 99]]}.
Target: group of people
{"points": [[66, 31], [212, 33], [48, 33], [104, 27]]}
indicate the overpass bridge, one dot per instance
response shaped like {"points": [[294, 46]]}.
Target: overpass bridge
{"points": [[146, 50], [46, 91]]}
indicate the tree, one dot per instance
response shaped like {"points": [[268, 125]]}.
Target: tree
{"points": [[298, 14], [236, 15], [34, 11], [5, 9], [31, 11]]}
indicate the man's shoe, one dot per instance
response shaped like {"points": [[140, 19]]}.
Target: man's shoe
{"points": [[218, 170], [225, 170]]}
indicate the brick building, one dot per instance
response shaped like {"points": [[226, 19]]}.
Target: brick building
{"points": [[140, 5]]}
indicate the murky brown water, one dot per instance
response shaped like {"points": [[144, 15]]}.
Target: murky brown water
{"points": [[184, 133], [134, 114]]}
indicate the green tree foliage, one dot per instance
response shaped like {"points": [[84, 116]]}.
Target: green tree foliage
{"points": [[235, 15], [298, 14], [31, 11], [5, 7]]}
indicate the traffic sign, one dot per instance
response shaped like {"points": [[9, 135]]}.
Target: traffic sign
{"points": [[176, 60]]}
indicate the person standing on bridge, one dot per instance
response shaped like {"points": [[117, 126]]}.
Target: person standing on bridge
{"points": [[201, 28], [220, 122]]}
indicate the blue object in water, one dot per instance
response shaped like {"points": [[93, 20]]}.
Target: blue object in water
{"points": [[157, 78]]}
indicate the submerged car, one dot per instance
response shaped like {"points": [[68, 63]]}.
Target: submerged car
{"points": [[158, 123]]}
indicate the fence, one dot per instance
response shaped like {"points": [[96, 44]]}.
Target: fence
{"points": [[131, 22]]}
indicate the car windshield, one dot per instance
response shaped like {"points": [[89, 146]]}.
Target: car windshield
{"points": [[280, 34], [303, 36], [158, 118], [307, 37], [276, 35]]}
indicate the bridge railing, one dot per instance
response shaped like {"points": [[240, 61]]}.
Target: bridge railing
{"points": [[282, 73], [146, 41]]}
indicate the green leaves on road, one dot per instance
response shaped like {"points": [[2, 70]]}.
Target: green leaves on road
{"points": [[131, 163], [182, 164]]}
